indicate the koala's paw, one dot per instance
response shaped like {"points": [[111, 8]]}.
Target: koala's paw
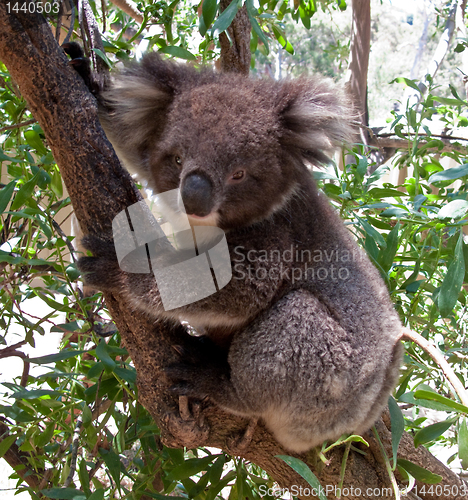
{"points": [[187, 428], [197, 381], [101, 271], [81, 64], [238, 443]]}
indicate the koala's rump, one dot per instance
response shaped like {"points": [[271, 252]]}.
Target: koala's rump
{"points": [[308, 378]]}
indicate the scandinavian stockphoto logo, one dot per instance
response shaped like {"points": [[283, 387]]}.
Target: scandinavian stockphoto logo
{"points": [[188, 263]]}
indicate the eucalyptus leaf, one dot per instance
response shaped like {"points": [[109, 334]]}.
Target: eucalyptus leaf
{"points": [[179, 52], [190, 467], [450, 174], [209, 9], [434, 396], [226, 17], [456, 209], [432, 432], [64, 494], [453, 281], [418, 472], [463, 444], [5, 195], [6, 443], [303, 470], [398, 426]]}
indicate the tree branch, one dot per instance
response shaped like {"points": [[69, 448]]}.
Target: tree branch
{"points": [[438, 357]]}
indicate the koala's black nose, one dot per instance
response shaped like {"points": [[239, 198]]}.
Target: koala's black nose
{"points": [[197, 192]]}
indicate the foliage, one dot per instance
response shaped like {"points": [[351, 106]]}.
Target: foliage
{"points": [[79, 420]]}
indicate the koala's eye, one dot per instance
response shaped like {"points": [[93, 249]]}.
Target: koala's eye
{"points": [[178, 161], [237, 176]]}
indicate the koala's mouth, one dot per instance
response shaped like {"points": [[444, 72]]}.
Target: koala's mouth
{"points": [[208, 220]]}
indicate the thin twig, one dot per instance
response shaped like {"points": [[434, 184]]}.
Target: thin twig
{"points": [[438, 357], [396, 489], [17, 125], [76, 442]]}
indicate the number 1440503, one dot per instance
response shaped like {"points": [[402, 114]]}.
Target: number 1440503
{"points": [[31, 7]]}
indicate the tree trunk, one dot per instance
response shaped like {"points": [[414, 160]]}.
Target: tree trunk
{"points": [[235, 44], [359, 61], [99, 189]]}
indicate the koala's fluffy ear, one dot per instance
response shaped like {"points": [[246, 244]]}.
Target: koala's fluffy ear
{"points": [[134, 110], [316, 117]]}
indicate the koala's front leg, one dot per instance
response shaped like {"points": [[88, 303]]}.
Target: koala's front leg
{"points": [[103, 271], [204, 372]]}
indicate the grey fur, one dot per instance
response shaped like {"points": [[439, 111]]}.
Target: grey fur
{"points": [[309, 342]]}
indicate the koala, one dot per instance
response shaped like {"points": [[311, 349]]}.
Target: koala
{"points": [[304, 337]]}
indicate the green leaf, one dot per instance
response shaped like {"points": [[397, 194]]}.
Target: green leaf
{"points": [[318, 176], [52, 358], [301, 468], [398, 426], [448, 101], [373, 233], [64, 494], [386, 193], [386, 255], [419, 473], [34, 394], [113, 463], [395, 212], [45, 437], [432, 432], [35, 141], [4, 157], [281, 37], [225, 19], [434, 396], [453, 281], [103, 56], [127, 374], [44, 178], [190, 467], [95, 370], [6, 443], [209, 9], [56, 184], [450, 174], [408, 82], [5, 195], [179, 52], [103, 354], [67, 327], [462, 444], [97, 495], [251, 12], [305, 18], [25, 192], [217, 469], [456, 209]]}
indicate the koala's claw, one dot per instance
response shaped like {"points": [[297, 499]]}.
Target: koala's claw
{"points": [[237, 444], [102, 270], [99, 246], [186, 429]]}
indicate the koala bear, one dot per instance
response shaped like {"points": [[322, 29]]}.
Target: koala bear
{"points": [[304, 337]]}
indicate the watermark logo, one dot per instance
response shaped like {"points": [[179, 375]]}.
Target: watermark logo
{"points": [[188, 263]]}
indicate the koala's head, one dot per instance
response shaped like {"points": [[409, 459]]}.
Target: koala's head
{"points": [[235, 147]]}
